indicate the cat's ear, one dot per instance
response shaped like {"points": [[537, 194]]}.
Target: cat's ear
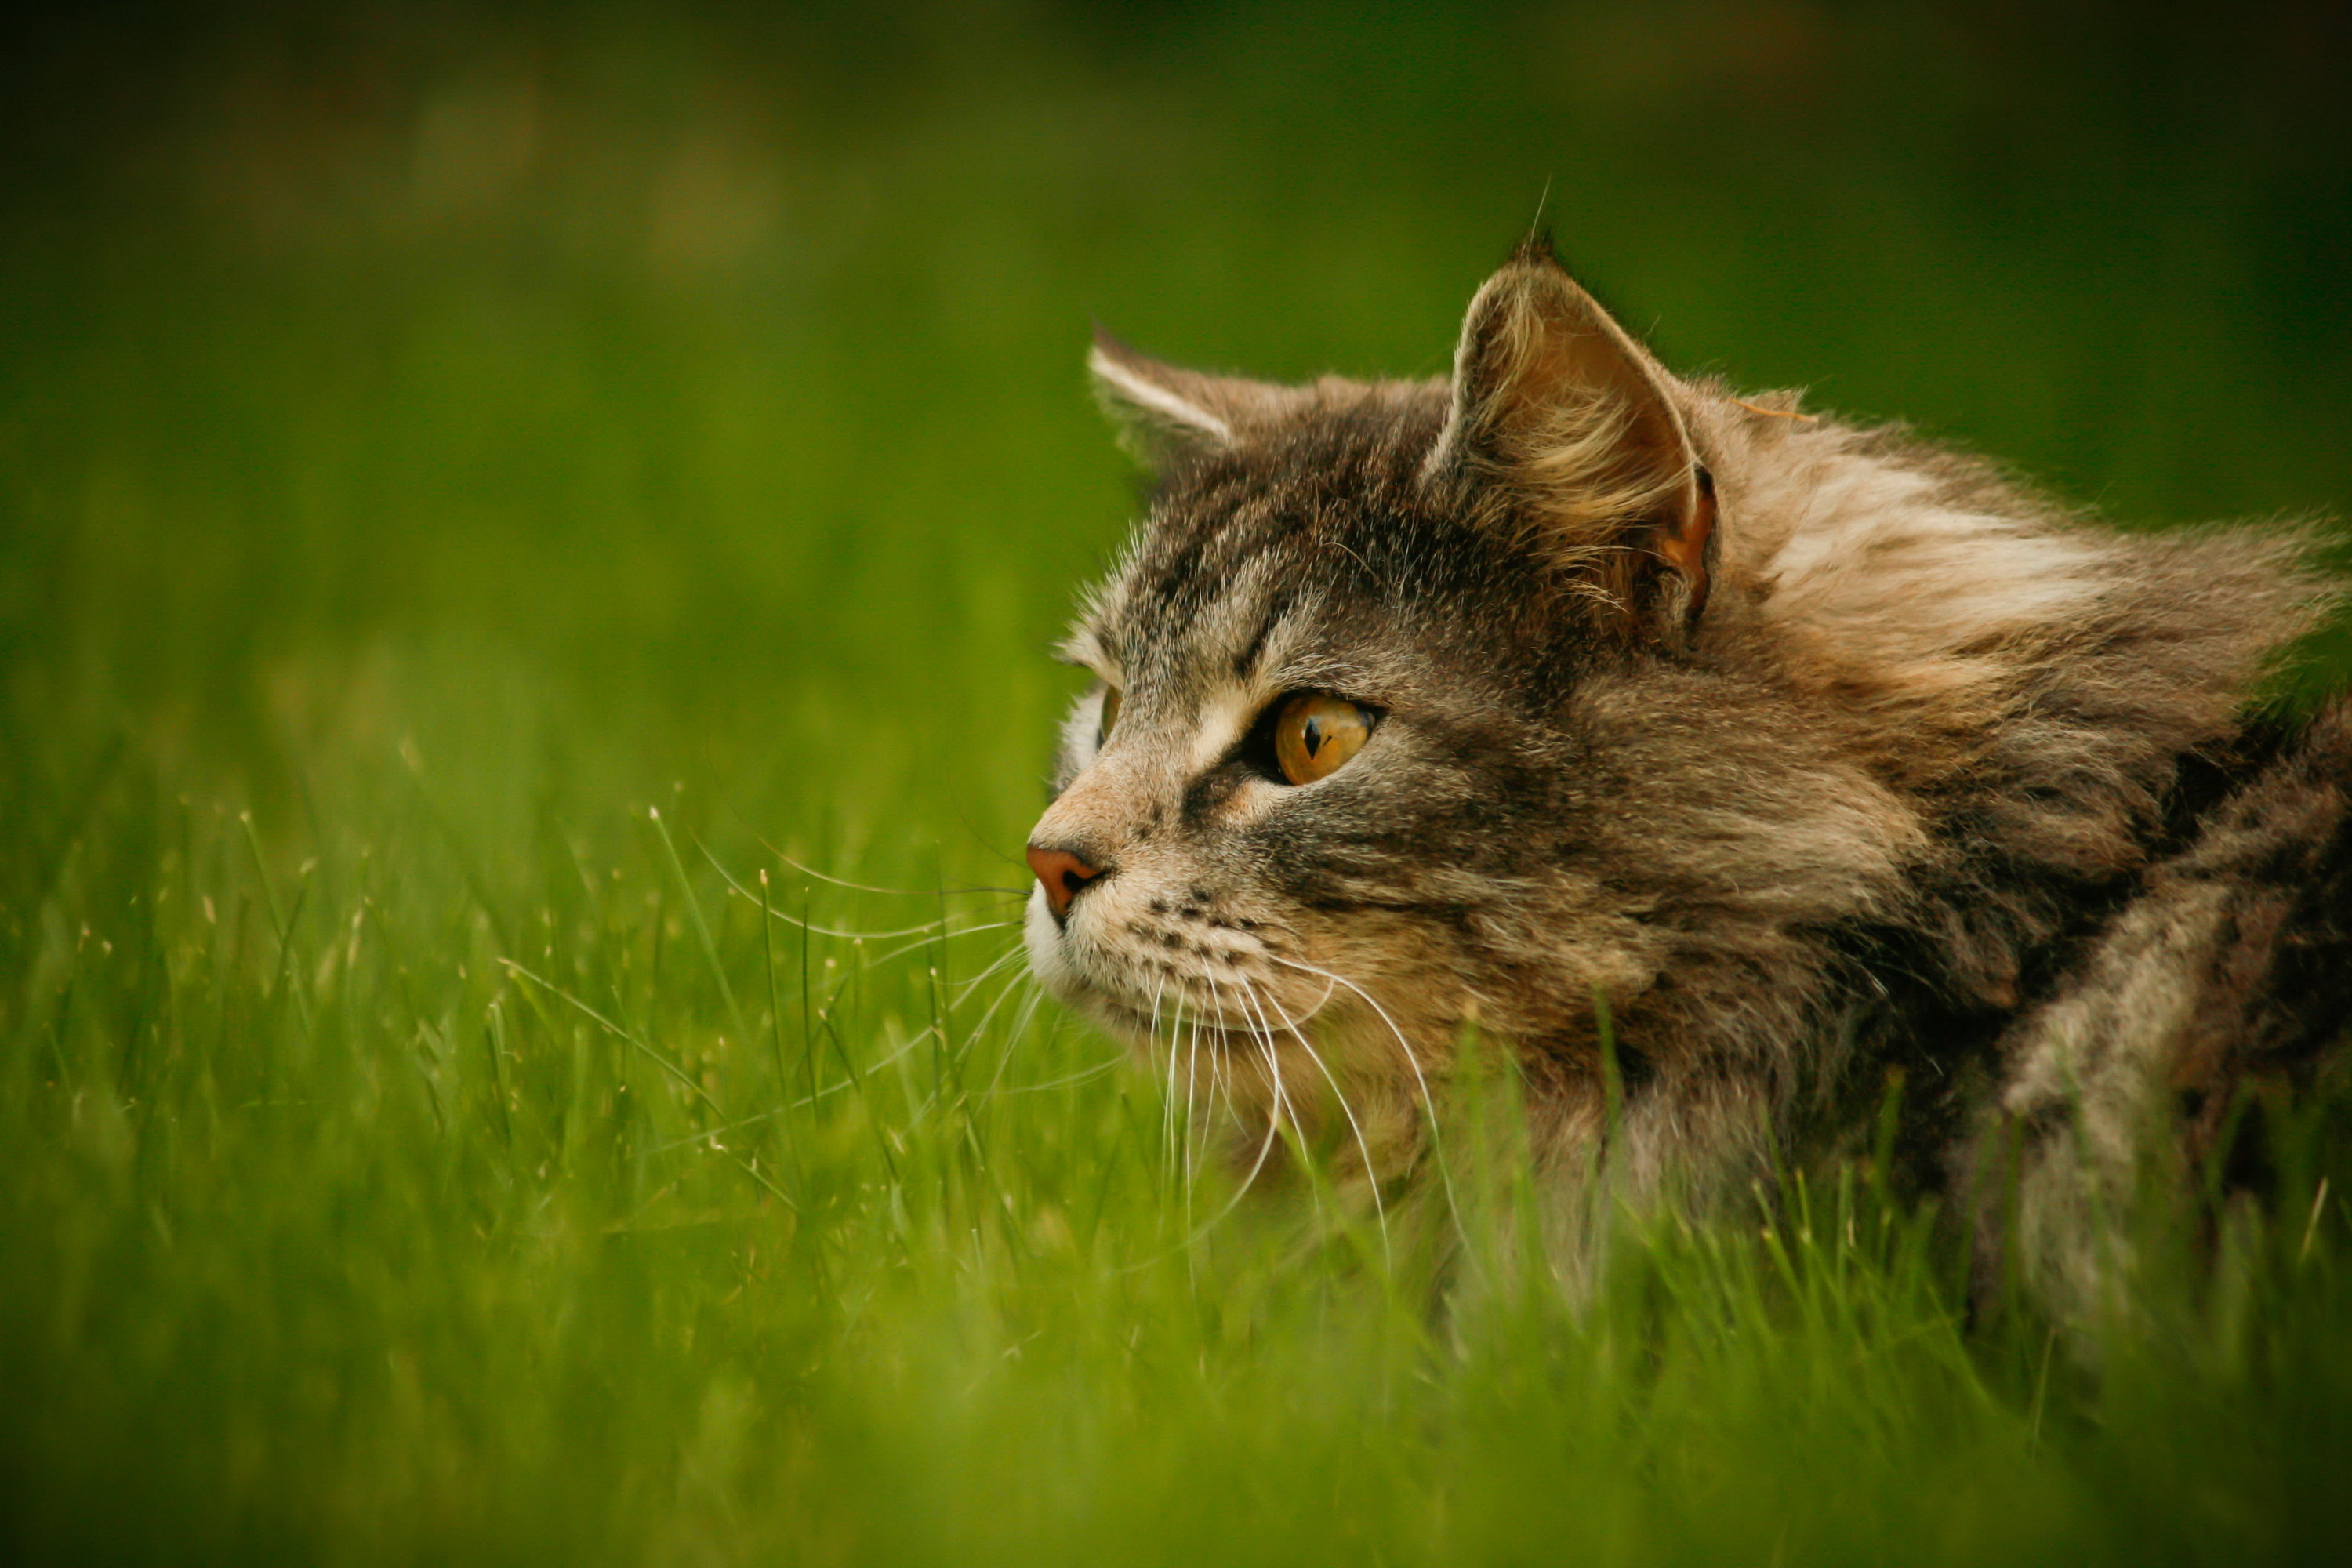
{"points": [[1163, 408], [1571, 430]]}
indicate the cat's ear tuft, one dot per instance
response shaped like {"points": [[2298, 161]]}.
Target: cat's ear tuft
{"points": [[1564, 426], [1536, 249], [1163, 408]]}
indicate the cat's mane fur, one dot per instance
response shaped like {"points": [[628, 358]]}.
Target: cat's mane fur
{"points": [[1848, 755]]}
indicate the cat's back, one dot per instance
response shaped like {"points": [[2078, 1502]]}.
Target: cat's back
{"points": [[2219, 988]]}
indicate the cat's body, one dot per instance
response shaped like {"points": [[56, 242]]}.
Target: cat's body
{"points": [[1816, 754]]}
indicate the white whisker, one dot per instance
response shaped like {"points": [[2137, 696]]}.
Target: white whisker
{"points": [[1168, 1104], [1249, 1178], [1079, 1076], [1152, 1036], [964, 993], [1001, 993], [1429, 1104], [1264, 1034], [868, 888], [1022, 1019], [919, 941], [1012, 1036], [1192, 1082], [1220, 1086], [776, 914], [1364, 1146]]}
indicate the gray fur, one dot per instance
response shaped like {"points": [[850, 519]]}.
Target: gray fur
{"points": [[1818, 753]]}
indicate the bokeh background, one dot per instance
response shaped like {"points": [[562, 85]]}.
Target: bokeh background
{"points": [[694, 391], [432, 435]]}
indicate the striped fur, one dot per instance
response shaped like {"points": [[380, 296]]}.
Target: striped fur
{"points": [[1816, 754]]}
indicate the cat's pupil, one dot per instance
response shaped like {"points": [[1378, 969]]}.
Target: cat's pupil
{"points": [[1313, 736]]}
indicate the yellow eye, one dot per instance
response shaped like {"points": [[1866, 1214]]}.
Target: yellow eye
{"points": [[1315, 732], [1110, 715]]}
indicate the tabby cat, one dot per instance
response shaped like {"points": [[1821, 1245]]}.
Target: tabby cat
{"points": [[1728, 764]]}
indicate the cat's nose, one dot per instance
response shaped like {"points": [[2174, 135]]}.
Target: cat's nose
{"points": [[1063, 875]]}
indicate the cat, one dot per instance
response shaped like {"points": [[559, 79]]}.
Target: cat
{"points": [[1727, 764]]}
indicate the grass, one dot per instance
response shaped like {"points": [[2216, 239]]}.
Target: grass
{"points": [[496, 512]]}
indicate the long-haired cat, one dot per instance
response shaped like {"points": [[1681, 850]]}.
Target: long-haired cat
{"points": [[1567, 688]]}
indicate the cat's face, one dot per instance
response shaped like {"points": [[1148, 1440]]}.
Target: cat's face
{"points": [[1323, 805], [1224, 881]]}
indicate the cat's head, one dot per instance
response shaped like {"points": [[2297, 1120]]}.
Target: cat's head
{"points": [[1336, 786], [1563, 677]]}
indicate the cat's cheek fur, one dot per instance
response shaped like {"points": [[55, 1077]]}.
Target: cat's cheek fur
{"points": [[1075, 975], [1043, 938]]}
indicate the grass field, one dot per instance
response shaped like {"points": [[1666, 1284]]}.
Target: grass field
{"points": [[496, 510]]}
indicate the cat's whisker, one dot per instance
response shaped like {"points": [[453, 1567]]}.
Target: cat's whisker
{"points": [[1363, 1145], [1012, 1038], [1022, 1020], [894, 893], [1192, 1079], [1265, 1041], [1152, 1019], [922, 942], [929, 930], [1330, 989], [963, 992], [1081, 1076], [1282, 1110], [1219, 1084], [1264, 1033], [1018, 974], [1015, 982], [1011, 1041], [1257, 1165], [1217, 996], [1428, 1101], [740, 890], [924, 930], [1202, 1019], [1168, 1103], [1205, 1117]]}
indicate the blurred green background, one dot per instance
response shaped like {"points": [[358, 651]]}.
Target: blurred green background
{"points": [[436, 433], [714, 372]]}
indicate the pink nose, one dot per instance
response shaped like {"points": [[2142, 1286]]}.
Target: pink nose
{"points": [[1063, 875]]}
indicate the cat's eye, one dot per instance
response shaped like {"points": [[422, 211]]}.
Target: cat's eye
{"points": [[1110, 715], [1315, 732]]}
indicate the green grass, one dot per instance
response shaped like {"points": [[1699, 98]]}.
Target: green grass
{"points": [[476, 497]]}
